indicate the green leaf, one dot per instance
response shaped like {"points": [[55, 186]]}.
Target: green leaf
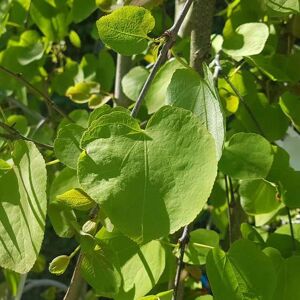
{"points": [[60, 218], [188, 90], [97, 269], [66, 145], [81, 10], [247, 156], [282, 240], [23, 205], [250, 233], [125, 29], [163, 173], [140, 266], [133, 82], [258, 196], [99, 68], [288, 286], [75, 39], [290, 105], [82, 91], [18, 122], [52, 21], [289, 184], [59, 264], [156, 95], [284, 6], [160, 296], [76, 199], [248, 39], [270, 120], [235, 276], [200, 243]]}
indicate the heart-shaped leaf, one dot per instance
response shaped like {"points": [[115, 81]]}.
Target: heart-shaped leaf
{"points": [[150, 182], [125, 30]]}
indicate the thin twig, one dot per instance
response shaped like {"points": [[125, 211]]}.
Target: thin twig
{"points": [[31, 284], [76, 283], [30, 112], [242, 100], [13, 134], [291, 229], [183, 241], [228, 198], [170, 36], [21, 286], [38, 92]]}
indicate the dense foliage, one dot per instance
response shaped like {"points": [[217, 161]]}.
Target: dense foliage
{"points": [[99, 176]]}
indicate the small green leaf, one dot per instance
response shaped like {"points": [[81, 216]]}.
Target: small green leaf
{"points": [[60, 218], [76, 199], [290, 105], [247, 156], [258, 196], [201, 242], [284, 6], [59, 264], [75, 39], [82, 91], [125, 29], [97, 269], [133, 82], [160, 296], [248, 39], [19, 123]]}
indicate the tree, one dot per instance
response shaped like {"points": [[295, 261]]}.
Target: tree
{"points": [[140, 153]]}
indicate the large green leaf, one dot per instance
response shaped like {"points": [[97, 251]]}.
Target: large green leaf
{"points": [[188, 90], [140, 266], [248, 39], [245, 272], [23, 206], [156, 95], [247, 156], [258, 196], [150, 182], [125, 29]]}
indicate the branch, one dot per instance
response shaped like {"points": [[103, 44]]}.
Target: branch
{"points": [[36, 91], [170, 36], [183, 241], [31, 284], [123, 66], [76, 283], [229, 199], [12, 134], [291, 229], [201, 22]]}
